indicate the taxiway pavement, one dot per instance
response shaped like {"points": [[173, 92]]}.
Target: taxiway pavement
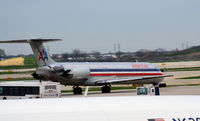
{"points": [[177, 90]]}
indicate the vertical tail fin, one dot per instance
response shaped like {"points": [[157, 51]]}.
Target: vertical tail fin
{"points": [[41, 55]]}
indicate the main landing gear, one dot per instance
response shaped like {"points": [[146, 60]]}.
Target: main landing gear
{"points": [[77, 90], [106, 89]]}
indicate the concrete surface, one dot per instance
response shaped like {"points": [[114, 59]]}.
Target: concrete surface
{"points": [[179, 90]]}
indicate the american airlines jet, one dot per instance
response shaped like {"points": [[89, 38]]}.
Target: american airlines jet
{"points": [[89, 74]]}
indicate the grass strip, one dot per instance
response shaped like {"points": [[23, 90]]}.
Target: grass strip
{"points": [[17, 67], [181, 69]]}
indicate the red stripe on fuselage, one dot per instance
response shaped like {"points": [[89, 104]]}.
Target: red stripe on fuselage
{"points": [[125, 74]]}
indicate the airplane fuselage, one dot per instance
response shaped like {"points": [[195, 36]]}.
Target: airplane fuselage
{"points": [[106, 70]]}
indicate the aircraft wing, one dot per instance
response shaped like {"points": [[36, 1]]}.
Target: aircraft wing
{"points": [[115, 80]]}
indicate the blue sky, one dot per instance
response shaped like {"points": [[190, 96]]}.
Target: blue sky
{"points": [[97, 25]]}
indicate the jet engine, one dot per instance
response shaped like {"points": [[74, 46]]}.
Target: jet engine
{"points": [[39, 77], [78, 73], [42, 73]]}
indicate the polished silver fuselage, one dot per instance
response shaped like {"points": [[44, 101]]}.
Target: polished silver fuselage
{"points": [[106, 70]]}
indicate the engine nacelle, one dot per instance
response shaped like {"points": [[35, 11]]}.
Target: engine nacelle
{"points": [[39, 77], [79, 73]]}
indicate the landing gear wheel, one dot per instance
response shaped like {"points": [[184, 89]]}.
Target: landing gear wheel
{"points": [[106, 89], [77, 90]]}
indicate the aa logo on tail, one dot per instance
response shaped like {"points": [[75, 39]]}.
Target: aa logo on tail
{"points": [[43, 55]]}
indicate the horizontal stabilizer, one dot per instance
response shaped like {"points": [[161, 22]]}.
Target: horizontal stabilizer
{"points": [[29, 40]]}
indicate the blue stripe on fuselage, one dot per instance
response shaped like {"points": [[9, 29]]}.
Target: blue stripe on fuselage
{"points": [[121, 70]]}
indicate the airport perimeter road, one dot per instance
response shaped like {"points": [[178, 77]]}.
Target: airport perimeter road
{"points": [[178, 90]]}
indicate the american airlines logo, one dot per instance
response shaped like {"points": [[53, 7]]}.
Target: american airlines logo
{"points": [[156, 119], [176, 119], [43, 55], [140, 66], [186, 119]]}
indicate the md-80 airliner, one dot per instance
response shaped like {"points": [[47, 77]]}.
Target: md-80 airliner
{"points": [[89, 74]]}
